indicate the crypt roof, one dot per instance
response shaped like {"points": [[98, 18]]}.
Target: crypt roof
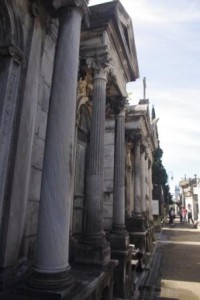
{"points": [[111, 31], [138, 122]]}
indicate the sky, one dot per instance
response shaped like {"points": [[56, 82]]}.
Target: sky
{"points": [[167, 37]]}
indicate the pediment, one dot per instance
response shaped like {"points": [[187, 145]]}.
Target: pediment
{"points": [[111, 29]]}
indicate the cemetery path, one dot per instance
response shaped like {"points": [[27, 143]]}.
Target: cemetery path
{"points": [[175, 268]]}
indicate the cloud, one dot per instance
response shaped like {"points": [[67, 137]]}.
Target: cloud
{"points": [[162, 12]]}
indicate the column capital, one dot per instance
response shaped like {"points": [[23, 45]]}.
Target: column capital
{"points": [[100, 64], [81, 4], [12, 51], [134, 137], [76, 3], [118, 105]]}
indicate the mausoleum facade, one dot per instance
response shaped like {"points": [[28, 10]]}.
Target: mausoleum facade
{"points": [[75, 158]]}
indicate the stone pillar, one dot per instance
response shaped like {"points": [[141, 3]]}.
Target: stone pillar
{"points": [[147, 184], [119, 237], [143, 180], [118, 228], [95, 249], [150, 192], [51, 267], [137, 179], [119, 175], [129, 182]]}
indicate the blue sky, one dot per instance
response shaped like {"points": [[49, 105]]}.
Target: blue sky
{"points": [[167, 37]]}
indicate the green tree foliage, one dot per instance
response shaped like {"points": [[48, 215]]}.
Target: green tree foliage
{"points": [[159, 174]]}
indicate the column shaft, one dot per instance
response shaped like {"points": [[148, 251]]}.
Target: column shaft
{"points": [[57, 189], [143, 182], [137, 181], [119, 174], [150, 193], [94, 181]]}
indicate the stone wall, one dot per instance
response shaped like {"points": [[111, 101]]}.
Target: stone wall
{"points": [[32, 33]]}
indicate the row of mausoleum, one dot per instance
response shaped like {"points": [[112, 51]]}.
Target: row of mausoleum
{"points": [[75, 158]]}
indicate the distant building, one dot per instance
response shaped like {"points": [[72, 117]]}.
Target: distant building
{"points": [[189, 195]]}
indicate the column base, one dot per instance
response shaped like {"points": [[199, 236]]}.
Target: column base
{"points": [[89, 283], [123, 279], [93, 254], [136, 226], [51, 282], [136, 223], [118, 240], [34, 293], [13, 275]]}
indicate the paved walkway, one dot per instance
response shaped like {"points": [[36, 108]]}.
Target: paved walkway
{"points": [[175, 268]]}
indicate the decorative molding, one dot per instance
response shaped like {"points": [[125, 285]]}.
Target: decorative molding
{"points": [[117, 105], [133, 136], [39, 11], [12, 51], [99, 63]]}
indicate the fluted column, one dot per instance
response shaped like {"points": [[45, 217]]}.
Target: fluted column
{"points": [[94, 180], [119, 174], [147, 184], [118, 237], [143, 181], [150, 191], [129, 182], [137, 179], [94, 249], [51, 262]]}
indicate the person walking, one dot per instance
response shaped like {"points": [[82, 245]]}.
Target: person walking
{"points": [[189, 211], [180, 214], [171, 216], [184, 213]]}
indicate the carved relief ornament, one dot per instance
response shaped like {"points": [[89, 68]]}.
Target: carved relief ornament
{"points": [[14, 52], [134, 137], [118, 105], [101, 64]]}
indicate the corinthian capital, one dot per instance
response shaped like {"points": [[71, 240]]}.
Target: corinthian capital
{"points": [[82, 4], [59, 3]]}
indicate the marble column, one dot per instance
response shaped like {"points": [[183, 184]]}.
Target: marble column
{"points": [[137, 179], [119, 174], [150, 191], [119, 237], [147, 184], [51, 267], [129, 182], [95, 249], [143, 181]]}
